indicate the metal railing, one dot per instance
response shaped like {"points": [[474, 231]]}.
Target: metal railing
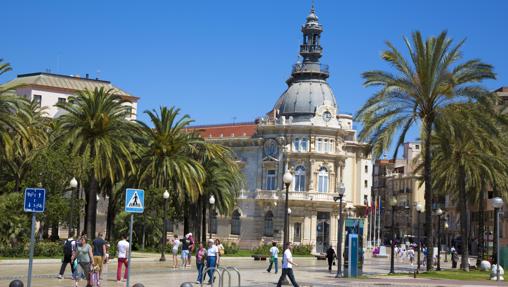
{"points": [[295, 195], [225, 270], [310, 67]]}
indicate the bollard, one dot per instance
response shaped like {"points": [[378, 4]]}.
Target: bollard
{"points": [[138, 285], [186, 284], [16, 283]]}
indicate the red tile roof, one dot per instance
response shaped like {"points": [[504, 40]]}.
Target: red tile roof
{"points": [[226, 130]]}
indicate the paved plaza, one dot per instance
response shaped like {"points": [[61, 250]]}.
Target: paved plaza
{"points": [[152, 273]]}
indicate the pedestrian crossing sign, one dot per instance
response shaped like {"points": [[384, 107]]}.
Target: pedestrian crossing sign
{"points": [[134, 200]]}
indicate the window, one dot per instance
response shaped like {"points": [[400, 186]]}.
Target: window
{"points": [[299, 178], [300, 144], [326, 146], [270, 179], [235, 222], [366, 169], [417, 146], [297, 236], [319, 145], [62, 100], [365, 183], [323, 180], [304, 144], [38, 99], [169, 226], [213, 223], [296, 144], [268, 230], [129, 111]]}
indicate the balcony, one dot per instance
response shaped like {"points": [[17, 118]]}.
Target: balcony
{"points": [[305, 48], [310, 68], [294, 195]]}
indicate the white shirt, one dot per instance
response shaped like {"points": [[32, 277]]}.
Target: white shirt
{"points": [[176, 244], [123, 248], [212, 251], [287, 257], [274, 251]]}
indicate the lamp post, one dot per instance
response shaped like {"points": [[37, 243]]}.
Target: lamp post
{"points": [[165, 195], [419, 209], [74, 185], [439, 212], [393, 203], [446, 239], [341, 191], [212, 202], [497, 203], [287, 179]]}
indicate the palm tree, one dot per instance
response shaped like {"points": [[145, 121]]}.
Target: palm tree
{"points": [[414, 95], [167, 158], [95, 126], [466, 160]]}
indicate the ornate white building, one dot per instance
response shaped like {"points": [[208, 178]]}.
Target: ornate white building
{"points": [[305, 133]]}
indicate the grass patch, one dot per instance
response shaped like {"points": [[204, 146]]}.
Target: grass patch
{"points": [[456, 275]]}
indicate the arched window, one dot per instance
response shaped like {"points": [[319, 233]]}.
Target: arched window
{"points": [[268, 230], [323, 180], [235, 222], [299, 178], [213, 223]]}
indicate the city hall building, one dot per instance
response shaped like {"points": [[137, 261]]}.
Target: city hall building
{"points": [[305, 133]]}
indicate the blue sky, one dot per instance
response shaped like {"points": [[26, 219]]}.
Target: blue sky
{"points": [[225, 60]]}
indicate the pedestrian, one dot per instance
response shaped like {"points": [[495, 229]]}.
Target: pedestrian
{"points": [[99, 251], [191, 247], [123, 249], [68, 248], [411, 255], [220, 247], [200, 262], [106, 255], [274, 258], [330, 256], [287, 266], [212, 259], [84, 256], [455, 257], [176, 245], [185, 251]]}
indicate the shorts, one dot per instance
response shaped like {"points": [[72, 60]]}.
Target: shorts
{"points": [[85, 266], [175, 252], [97, 261], [185, 254]]}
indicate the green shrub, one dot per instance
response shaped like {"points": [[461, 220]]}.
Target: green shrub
{"points": [[302, 249], [230, 248], [49, 249]]}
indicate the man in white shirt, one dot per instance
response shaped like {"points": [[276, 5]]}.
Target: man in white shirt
{"points": [[287, 266], [274, 254], [123, 249]]}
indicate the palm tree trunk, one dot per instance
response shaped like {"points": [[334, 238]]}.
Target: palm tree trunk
{"points": [[481, 226], [428, 191], [186, 216], [463, 219], [110, 218], [203, 220], [91, 215]]}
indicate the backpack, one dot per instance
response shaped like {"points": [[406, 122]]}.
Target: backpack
{"points": [[68, 247]]}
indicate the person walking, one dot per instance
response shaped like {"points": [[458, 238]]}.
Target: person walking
{"points": [[176, 245], [84, 256], [200, 262], [99, 251], [455, 257], [68, 248], [212, 259], [185, 251], [287, 266], [123, 249], [274, 258], [330, 256], [191, 247]]}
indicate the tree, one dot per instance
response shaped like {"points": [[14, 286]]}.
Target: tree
{"points": [[466, 160], [96, 128], [414, 96]]}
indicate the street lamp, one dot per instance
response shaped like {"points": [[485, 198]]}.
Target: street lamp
{"points": [[446, 239], [393, 203], [165, 195], [287, 179], [74, 185], [439, 212], [419, 209], [341, 191], [497, 203], [212, 202]]}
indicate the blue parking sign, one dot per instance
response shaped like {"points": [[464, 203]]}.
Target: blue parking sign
{"points": [[35, 199], [134, 200]]}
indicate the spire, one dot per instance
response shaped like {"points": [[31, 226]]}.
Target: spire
{"points": [[311, 51]]}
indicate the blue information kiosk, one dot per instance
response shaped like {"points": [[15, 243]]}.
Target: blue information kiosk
{"points": [[353, 253]]}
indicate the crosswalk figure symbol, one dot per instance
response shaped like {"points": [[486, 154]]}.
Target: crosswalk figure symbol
{"points": [[134, 200]]}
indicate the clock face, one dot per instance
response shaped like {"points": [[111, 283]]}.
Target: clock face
{"points": [[270, 147], [327, 116]]}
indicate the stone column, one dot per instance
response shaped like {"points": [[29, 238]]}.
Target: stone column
{"points": [[313, 231]]}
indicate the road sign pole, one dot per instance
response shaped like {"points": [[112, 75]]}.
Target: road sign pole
{"points": [[129, 261], [31, 258]]}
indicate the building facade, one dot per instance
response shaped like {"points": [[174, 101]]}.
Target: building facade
{"points": [[303, 133]]}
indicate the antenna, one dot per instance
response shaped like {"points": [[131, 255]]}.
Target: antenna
{"points": [[234, 119]]}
